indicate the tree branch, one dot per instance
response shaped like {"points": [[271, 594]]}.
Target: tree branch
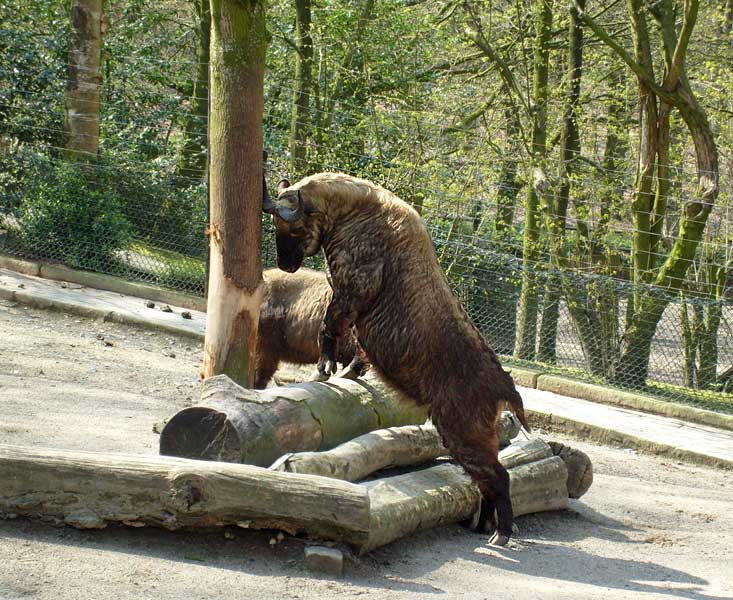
{"points": [[475, 34], [635, 66], [678, 58]]}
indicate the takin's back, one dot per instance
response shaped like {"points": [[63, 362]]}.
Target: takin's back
{"points": [[290, 318]]}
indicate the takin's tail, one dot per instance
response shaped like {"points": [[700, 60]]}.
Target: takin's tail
{"points": [[515, 402]]}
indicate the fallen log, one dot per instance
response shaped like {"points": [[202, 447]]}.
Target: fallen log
{"points": [[405, 504], [394, 447], [255, 427], [235, 424], [91, 490]]}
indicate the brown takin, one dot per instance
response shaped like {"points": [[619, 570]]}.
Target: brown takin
{"points": [[290, 320], [387, 282]]}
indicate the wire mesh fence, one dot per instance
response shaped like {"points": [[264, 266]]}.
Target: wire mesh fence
{"points": [[136, 213]]}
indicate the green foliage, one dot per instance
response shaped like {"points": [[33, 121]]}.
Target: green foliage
{"points": [[77, 214]]}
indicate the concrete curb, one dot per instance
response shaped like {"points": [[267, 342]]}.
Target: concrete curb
{"points": [[95, 313], [603, 395], [566, 386], [100, 281], [611, 437]]}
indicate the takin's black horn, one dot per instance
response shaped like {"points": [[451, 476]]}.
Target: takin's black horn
{"points": [[291, 213], [268, 205], [281, 185]]}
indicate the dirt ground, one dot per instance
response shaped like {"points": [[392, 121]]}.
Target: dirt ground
{"points": [[648, 528]]}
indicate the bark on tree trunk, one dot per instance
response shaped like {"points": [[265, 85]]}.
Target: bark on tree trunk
{"points": [[84, 83], [557, 206], [238, 42]]}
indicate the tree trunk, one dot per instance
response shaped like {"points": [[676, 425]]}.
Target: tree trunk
{"points": [[404, 504], [527, 310], [656, 284], [84, 84], [300, 118], [238, 43], [689, 370], [556, 214], [708, 349], [193, 159], [507, 192]]}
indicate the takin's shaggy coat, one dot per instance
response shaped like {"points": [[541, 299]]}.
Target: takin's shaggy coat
{"points": [[290, 320], [387, 281]]}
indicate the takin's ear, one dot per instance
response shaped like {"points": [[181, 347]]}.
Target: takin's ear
{"points": [[281, 185]]}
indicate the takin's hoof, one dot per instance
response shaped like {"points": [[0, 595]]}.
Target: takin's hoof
{"points": [[318, 376], [347, 373], [499, 539]]}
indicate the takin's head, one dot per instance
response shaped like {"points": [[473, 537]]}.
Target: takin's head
{"points": [[299, 226]]}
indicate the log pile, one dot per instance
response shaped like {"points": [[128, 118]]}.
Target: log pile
{"points": [[341, 493], [440, 494]]}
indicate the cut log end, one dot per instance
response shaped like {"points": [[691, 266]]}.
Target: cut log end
{"points": [[200, 432], [580, 468]]}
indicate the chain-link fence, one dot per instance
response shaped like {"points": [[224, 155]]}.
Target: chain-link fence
{"points": [[134, 212]]}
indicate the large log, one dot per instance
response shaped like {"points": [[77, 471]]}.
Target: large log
{"points": [[385, 448], [580, 468], [444, 494], [90, 490], [256, 427]]}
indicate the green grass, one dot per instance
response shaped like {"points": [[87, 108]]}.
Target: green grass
{"points": [[177, 270]]}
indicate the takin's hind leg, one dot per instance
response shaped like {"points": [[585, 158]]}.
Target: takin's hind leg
{"points": [[476, 449], [495, 498]]}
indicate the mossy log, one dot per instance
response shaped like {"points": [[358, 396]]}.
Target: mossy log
{"points": [[91, 490], [393, 447], [256, 427], [235, 424], [405, 504]]}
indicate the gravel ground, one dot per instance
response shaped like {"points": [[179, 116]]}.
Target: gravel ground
{"points": [[648, 528]]}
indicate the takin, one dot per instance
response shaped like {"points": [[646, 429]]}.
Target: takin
{"points": [[387, 282], [290, 319]]}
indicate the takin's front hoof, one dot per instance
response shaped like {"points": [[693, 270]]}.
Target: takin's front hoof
{"points": [[318, 376]]}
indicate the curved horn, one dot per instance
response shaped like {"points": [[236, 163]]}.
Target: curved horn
{"points": [[268, 205], [290, 213], [282, 184]]}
